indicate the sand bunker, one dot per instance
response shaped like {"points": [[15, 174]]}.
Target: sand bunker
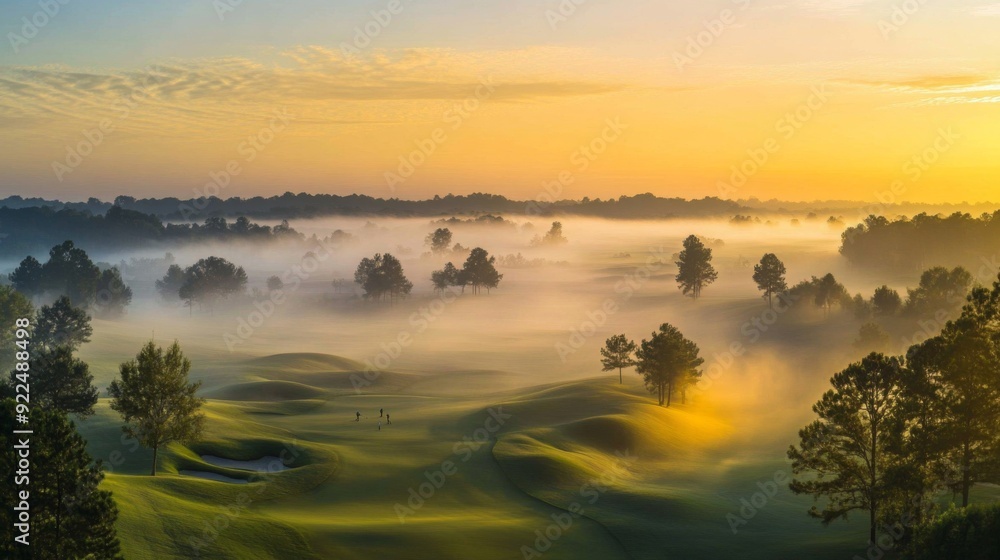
{"points": [[214, 476], [264, 464]]}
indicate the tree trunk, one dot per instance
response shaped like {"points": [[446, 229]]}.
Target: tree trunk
{"points": [[670, 393], [966, 475], [620, 380], [153, 473], [872, 527]]}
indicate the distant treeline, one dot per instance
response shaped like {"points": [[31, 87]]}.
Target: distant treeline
{"points": [[924, 241], [34, 230], [302, 205]]}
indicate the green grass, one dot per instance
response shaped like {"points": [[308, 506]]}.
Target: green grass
{"points": [[560, 447]]}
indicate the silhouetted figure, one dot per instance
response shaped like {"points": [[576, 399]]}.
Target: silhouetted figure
{"points": [[387, 419], [380, 413], [358, 419], [380, 425]]}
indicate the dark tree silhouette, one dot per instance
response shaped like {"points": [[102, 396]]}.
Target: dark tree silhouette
{"points": [[155, 399], [555, 235], [479, 271], [770, 277], [695, 264], [618, 353], [829, 292], [939, 289], [668, 362], [27, 277], [71, 517], [170, 285], [963, 368], [62, 324], [872, 338], [113, 295], [382, 277], [70, 272], [60, 382], [13, 306], [886, 301], [845, 455], [275, 283], [445, 278], [210, 280], [440, 240]]}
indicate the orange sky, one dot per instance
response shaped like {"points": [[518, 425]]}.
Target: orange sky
{"points": [[798, 100]]}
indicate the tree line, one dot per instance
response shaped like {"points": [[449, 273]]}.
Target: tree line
{"points": [[894, 431]]}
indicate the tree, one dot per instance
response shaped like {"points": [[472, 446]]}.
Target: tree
{"points": [[113, 295], [27, 277], [555, 235], [155, 399], [382, 277], [170, 285], [964, 364], [210, 280], [939, 289], [13, 306], [70, 272], [845, 456], [829, 291], [960, 534], [618, 354], [440, 240], [480, 271], [445, 278], [695, 264], [71, 517], [872, 338], [770, 277], [62, 324], [886, 301], [667, 362], [60, 382], [275, 283]]}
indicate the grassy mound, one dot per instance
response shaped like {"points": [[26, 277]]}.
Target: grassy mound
{"points": [[266, 391], [305, 362]]}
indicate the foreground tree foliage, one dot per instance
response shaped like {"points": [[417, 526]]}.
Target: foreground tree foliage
{"points": [[770, 277], [972, 533], [155, 399], [62, 324], [847, 453], [668, 362], [71, 517], [13, 306], [60, 382], [695, 267], [618, 353], [382, 278]]}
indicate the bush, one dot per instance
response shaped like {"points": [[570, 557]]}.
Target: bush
{"points": [[972, 533]]}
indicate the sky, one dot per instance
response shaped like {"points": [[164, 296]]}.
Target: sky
{"points": [[868, 100]]}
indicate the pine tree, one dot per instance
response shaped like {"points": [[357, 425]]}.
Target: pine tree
{"points": [[695, 264], [617, 354]]}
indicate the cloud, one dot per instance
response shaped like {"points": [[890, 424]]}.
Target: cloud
{"points": [[992, 10], [337, 88]]}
